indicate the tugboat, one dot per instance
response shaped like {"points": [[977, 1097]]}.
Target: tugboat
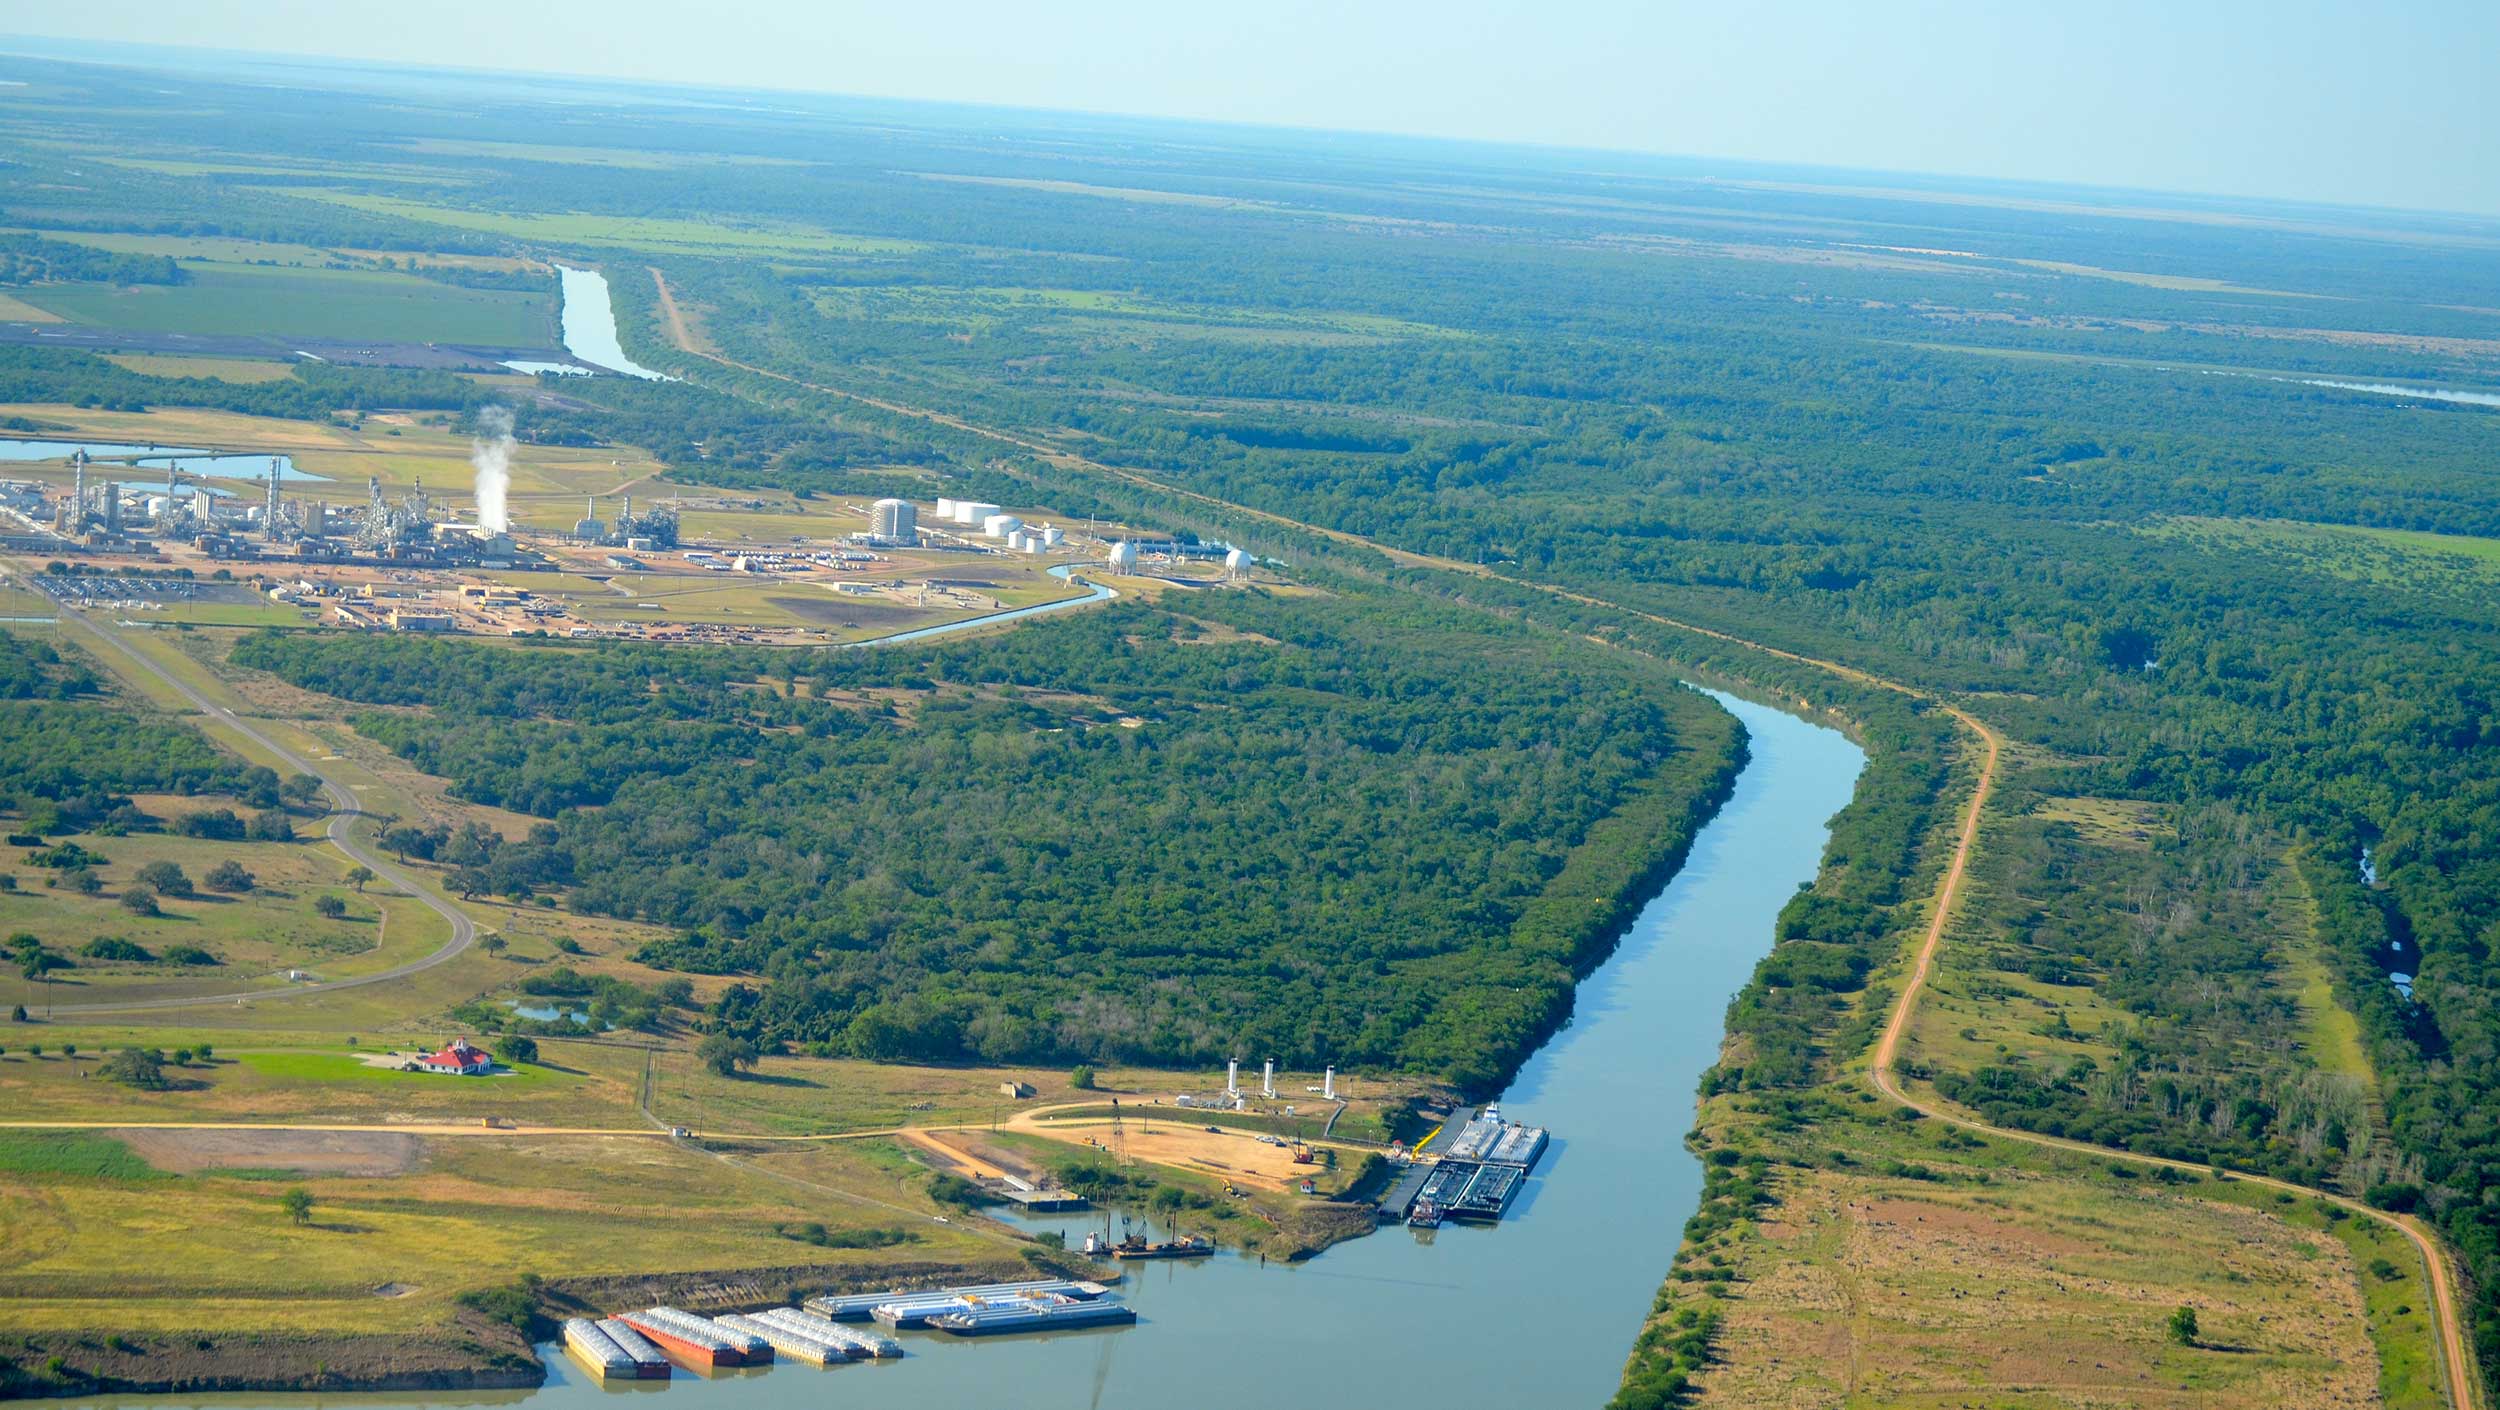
{"points": [[1425, 1215]]}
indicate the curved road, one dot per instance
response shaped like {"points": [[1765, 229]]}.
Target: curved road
{"points": [[342, 818], [2463, 1384]]}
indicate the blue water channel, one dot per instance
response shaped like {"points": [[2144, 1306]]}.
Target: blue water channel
{"points": [[1536, 1312], [114, 456], [589, 320], [1094, 592]]}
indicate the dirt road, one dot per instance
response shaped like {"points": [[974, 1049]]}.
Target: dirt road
{"points": [[2463, 1383]]}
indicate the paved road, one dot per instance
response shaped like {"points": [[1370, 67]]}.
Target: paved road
{"points": [[342, 819]]}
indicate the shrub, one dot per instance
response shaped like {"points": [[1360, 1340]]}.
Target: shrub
{"points": [[217, 824], [1082, 1079], [165, 879], [111, 947], [329, 907], [188, 954], [139, 900], [272, 826], [514, 1049], [229, 875]]}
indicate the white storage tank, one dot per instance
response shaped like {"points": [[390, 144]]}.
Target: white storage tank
{"points": [[1033, 543], [1237, 562], [1051, 536], [1123, 557], [973, 511], [945, 508], [999, 526]]}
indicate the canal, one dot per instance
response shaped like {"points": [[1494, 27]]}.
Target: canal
{"points": [[1538, 1311]]}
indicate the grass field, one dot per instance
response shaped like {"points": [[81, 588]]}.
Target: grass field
{"points": [[548, 481], [1094, 312], [2449, 564], [91, 1248], [17, 310], [660, 235], [348, 304]]}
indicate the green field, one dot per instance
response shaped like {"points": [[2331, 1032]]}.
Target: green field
{"points": [[346, 304], [662, 235], [2444, 563]]}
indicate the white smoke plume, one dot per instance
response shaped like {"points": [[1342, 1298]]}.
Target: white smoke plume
{"points": [[491, 453]]}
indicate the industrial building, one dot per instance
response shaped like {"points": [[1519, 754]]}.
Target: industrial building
{"points": [[894, 523]]}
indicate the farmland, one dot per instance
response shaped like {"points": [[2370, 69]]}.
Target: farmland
{"points": [[304, 302]]}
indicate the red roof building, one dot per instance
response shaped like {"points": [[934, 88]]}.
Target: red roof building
{"points": [[460, 1058]]}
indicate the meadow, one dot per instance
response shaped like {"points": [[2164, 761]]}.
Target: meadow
{"points": [[312, 303]]}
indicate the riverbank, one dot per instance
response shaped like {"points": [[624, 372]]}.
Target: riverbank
{"points": [[472, 1353]]}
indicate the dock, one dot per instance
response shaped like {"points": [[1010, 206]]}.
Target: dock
{"points": [[1401, 1193]]}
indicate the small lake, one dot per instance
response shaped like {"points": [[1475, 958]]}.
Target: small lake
{"points": [[198, 464], [590, 325], [1538, 1311], [546, 1013]]}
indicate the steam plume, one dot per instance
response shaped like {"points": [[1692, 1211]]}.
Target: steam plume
{"points": [[491, 453]]}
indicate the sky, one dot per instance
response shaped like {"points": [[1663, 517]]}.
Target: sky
{"points": [[2314, 100]]}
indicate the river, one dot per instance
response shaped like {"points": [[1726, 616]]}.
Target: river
{"points": [[1538, 1311], [589, 320]]}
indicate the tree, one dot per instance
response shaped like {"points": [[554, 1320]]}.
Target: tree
{"points": [[87, 882], [207, 1052], [515, 1049], [135, 1067], [358, 875], [298, 1204], [2183, 1328], [492, 943], [165, 879], [677, 992], [37, 964], [18, 1013], [271, 826], [182, 1057], [1082, 1079], [726, 1054], [140, 900], [300, 789], [229, 875], [329, 907], [69, 1050]]}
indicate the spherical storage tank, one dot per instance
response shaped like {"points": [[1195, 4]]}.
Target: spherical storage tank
{"points": [[1237, 561], [1123, 556]]}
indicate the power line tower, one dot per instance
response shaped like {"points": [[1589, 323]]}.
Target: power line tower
{"points": [[1119, 1136]]}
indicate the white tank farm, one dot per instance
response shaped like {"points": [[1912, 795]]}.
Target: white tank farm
{"points": [[999, 526], [1051, 536], [972, 511]]}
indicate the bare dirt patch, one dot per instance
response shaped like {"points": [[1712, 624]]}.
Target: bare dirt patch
{"points": [[363, 1153]]}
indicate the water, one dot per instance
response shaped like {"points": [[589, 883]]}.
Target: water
{"points": [[561, 369], [546, 1013], [590, 325], [2391, 389], [1094, 592], [1536, 1312], [197, 464]]}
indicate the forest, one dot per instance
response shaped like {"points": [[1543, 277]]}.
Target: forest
{"points": [[1979, 449], [1135, 834]]}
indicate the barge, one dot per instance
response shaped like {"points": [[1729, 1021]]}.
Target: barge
{"points": [[649, 1363], [920, 1309], [1136, 1246], [863, 1346], [1043, 1312], [704, 1343], [858, 1307], [799, 1344], [595, 1350]]}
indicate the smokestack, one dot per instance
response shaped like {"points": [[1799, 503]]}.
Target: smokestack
{"points": [[1267, 1079], [1232, 1077], [1328, 1085], [491, 453]]}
